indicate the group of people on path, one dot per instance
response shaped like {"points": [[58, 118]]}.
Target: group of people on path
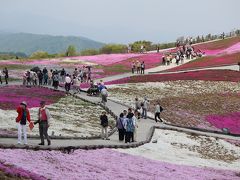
{"points": [[127, 125], [41, 78], [23, 117], [128, 121], [56, 77], [4, 73], [186, 51], [138, 67]]}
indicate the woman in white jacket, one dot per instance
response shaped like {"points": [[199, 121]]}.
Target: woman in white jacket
{"points": [[135, 123]]}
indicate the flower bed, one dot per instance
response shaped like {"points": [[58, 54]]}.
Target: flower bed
{"points": [[70, 117], [12, 96], [218, 45], [189, 149], [205, 75], [105, 164], [186, 103], [209, 61], [229, 120], [232, 49], [13, 172], [106, 59]]}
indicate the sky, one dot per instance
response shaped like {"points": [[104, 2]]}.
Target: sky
{"points": [[120, 21]]}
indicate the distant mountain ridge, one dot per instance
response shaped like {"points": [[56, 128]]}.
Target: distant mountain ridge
{"points": [[28, 43]]}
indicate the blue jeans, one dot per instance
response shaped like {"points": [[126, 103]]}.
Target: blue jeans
{"points": [[144, 113]]}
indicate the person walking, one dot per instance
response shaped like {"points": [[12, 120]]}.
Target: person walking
{"points": [[22, 118], [158, 110], [145, 107], [104, 125], [45, 78], [104, 95], [68, 81], [138, 107], [135, 124], [142, 67], [63, 74], [5, 72], [50, 76], [133, 67], [138, 67], [129, 127], [40, 77], [1, 76], [55, 80], [44, 122], [120, 126]]}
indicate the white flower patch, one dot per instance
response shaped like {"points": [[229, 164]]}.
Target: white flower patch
{"points": [[181, 148], [70, 117], [126, 93]]}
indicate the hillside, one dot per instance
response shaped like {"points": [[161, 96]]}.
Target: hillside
{"points": [[28, 43]]}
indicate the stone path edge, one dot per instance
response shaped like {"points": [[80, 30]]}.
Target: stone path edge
{"points": [[70, 149]]}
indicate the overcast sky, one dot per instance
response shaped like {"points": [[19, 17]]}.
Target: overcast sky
{"points": [[120, 21]]}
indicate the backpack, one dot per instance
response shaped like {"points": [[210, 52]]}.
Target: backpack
{"points": [[161, 108], [130, 126]]}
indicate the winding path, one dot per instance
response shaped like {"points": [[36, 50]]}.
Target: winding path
{"points": [[144, 133]]}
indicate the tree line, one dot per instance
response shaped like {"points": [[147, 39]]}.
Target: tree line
{"points": [[116, 48]]}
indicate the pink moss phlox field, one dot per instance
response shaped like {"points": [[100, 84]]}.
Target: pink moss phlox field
{"points": [[12, 96], [205, 75], [230, 121], [106, 59], [218, 45], [150, 60], [209, 61], [19, 172], [232, 49], [105, 164]]}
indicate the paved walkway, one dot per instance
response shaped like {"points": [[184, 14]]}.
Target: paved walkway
{"points": [[144, 133]]}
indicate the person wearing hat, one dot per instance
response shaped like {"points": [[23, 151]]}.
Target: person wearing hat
{"points": [[22, 118], [44, 122]]}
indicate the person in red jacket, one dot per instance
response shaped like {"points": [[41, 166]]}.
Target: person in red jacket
{"points": [[22, 118]]}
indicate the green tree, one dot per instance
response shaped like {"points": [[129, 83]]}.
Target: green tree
{"points": [[71, 51], [89, 52], [113, 48], [39, 55], [136, 46]]}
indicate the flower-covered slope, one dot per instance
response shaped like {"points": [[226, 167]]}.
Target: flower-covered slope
{"points": [[202, 104], [210, 61], [69, 117], [105, 164], [205, 75], [189, 149], [219, 44], [12, 96]]}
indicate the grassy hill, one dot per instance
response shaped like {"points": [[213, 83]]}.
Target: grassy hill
{"points": [[28, 43]]}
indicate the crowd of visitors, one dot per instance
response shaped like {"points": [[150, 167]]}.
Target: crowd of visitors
{"points": [[185, 51], [54, 78]]}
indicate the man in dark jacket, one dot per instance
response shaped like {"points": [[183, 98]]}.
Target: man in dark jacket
{"points": [[104, 124]]}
